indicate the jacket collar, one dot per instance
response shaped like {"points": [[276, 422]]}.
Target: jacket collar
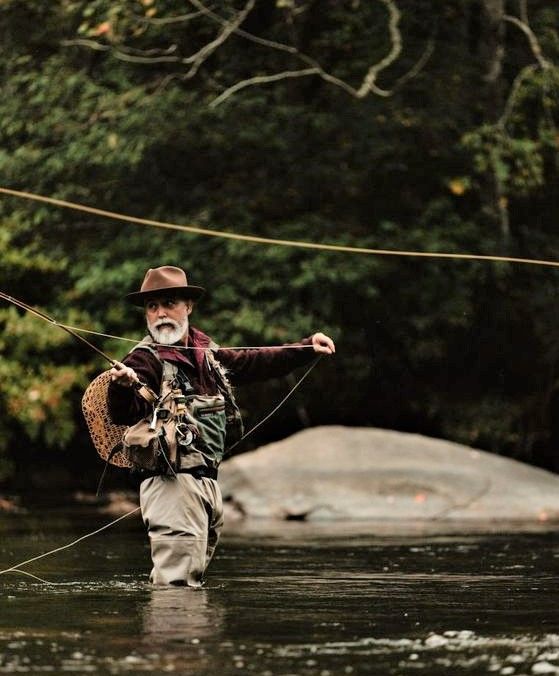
{"points": [[196, 339]]}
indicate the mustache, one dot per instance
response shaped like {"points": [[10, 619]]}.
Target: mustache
{"points": [[164, 322]]}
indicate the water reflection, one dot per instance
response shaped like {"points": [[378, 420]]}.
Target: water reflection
{"points": [[181, 614], [292, 601]]}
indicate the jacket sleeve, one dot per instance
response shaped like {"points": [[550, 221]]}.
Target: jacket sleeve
{"points": [[126, 406], [245, 366]]}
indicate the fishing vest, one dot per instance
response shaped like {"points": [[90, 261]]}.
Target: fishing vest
{"points": [[184, 429]]}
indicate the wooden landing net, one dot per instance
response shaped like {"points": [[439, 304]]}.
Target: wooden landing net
{"points": [[105, 435]]}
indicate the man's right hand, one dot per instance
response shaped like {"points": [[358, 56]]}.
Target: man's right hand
{"points": [[123, 375]]}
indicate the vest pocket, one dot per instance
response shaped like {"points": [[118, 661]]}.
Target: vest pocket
{"points": [[209, 414]]}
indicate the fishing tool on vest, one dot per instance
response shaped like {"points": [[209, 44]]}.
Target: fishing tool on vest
{"points": [[183, 429], [154, 443]]}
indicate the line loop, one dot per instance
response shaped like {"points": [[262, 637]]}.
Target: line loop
{"points": [[269, 240]]}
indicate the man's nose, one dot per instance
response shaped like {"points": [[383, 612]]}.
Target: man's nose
{"points": [[161, 311]]}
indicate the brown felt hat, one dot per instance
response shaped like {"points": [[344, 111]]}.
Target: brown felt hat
{"points": [[166, 280]]}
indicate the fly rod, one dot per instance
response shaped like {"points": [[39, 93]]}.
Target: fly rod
{"points": [[144, 390]]}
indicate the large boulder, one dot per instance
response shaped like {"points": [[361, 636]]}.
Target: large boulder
{"points": [[341, 473]]}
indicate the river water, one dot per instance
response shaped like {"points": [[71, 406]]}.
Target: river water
{"points": [[299, 599]]}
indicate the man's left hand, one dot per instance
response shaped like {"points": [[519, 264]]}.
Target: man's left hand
{"points": [[323, 344]]}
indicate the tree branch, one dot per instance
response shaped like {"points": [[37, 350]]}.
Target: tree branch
{"points": [[126, 54], [258, 80], [314, 67], [165, 20], [542, 62], [417, 68], [523, 10], [369, 82], [195, 60], [511, 99], [233, 27], [207, 50], [532, 39]]}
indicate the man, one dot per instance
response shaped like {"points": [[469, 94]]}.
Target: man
{"points": [[181, 501]]}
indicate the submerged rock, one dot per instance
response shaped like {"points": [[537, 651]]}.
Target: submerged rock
{"points": [[115, 503], [9, 505], [340, 473]]}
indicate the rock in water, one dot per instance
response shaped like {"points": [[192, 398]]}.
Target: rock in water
{"points": [[340, 473]]}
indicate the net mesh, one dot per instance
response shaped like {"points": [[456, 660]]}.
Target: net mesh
{"points": [[105, 435]]}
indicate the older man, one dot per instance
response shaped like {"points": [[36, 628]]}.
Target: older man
{"points": [[180, 499]]}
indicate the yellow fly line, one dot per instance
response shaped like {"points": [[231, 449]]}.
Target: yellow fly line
{"points": [[268, 240]]}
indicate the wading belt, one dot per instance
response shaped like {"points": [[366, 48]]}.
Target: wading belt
{"points": [[198, 472]]}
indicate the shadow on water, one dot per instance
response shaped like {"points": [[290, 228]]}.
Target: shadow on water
{"points": [[299, 600]]}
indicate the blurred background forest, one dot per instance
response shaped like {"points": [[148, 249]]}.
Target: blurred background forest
{"points": [[396, 124]]}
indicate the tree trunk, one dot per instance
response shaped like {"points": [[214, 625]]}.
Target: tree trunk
{"points": [[492, 99]]}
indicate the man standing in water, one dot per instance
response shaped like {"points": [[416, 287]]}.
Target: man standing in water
{"points": [[180, 500]]}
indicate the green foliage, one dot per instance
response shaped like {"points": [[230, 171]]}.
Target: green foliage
{"points": [[517, 163], [431, 346], [35, 392]]}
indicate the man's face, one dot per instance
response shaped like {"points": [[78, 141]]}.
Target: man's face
{"points": [[167, 319]]}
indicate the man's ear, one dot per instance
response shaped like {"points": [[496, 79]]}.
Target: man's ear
{"points": [[189, 306]]}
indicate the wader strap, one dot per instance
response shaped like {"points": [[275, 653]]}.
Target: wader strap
{"points": [[170, 371]]}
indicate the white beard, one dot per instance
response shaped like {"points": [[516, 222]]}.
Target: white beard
{"points": [[171, 333]]}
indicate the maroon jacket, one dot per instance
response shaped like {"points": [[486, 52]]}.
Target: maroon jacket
{"points": [[127, 407]]}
